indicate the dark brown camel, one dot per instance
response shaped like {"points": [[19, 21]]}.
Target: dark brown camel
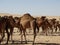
{"points": [[7, 23], [3, 28], [11, 23]]}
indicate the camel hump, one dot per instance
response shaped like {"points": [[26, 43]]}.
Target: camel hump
{"points": [[27, 16]]}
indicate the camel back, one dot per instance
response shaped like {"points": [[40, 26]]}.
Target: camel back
{"points": [[26, 17]]}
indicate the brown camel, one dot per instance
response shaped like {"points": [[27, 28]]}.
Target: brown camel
{"points": [[27, 21], [52, 24], [57, 25], [43, 23], [11, 23], [3, 28]]}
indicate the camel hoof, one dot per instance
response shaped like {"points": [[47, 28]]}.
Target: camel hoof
{"points": [[13, 41], [21, 42], [33, 44], [26, 42], [46, 34], [6, 43]]}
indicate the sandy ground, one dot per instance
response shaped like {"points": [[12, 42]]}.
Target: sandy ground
{"points": [[40, 39]]}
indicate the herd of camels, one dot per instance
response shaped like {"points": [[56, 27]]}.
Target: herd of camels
{"points": [[26, 22]]}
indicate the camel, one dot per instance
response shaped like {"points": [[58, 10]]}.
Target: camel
{"points": [[27, 22], [3, 28], [57, 26], [11, 23], [52, 24], [7, 23], [43, 23]]}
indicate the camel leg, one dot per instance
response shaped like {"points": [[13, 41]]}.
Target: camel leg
{"points": [[21, 32], [24, 35], [11, 32], [34, 26], [34, 37], [46, 32], [8, 35], [52, 30], [43, 30], [37, 29], [3, 35], [34, 34], [59, 28], [55, 29], [21, 37]]}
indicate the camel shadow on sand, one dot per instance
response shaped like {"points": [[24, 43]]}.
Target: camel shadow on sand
{"points": [[28, 43]]}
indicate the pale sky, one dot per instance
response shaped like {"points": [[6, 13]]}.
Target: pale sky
{"points": [[34, 7]]}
